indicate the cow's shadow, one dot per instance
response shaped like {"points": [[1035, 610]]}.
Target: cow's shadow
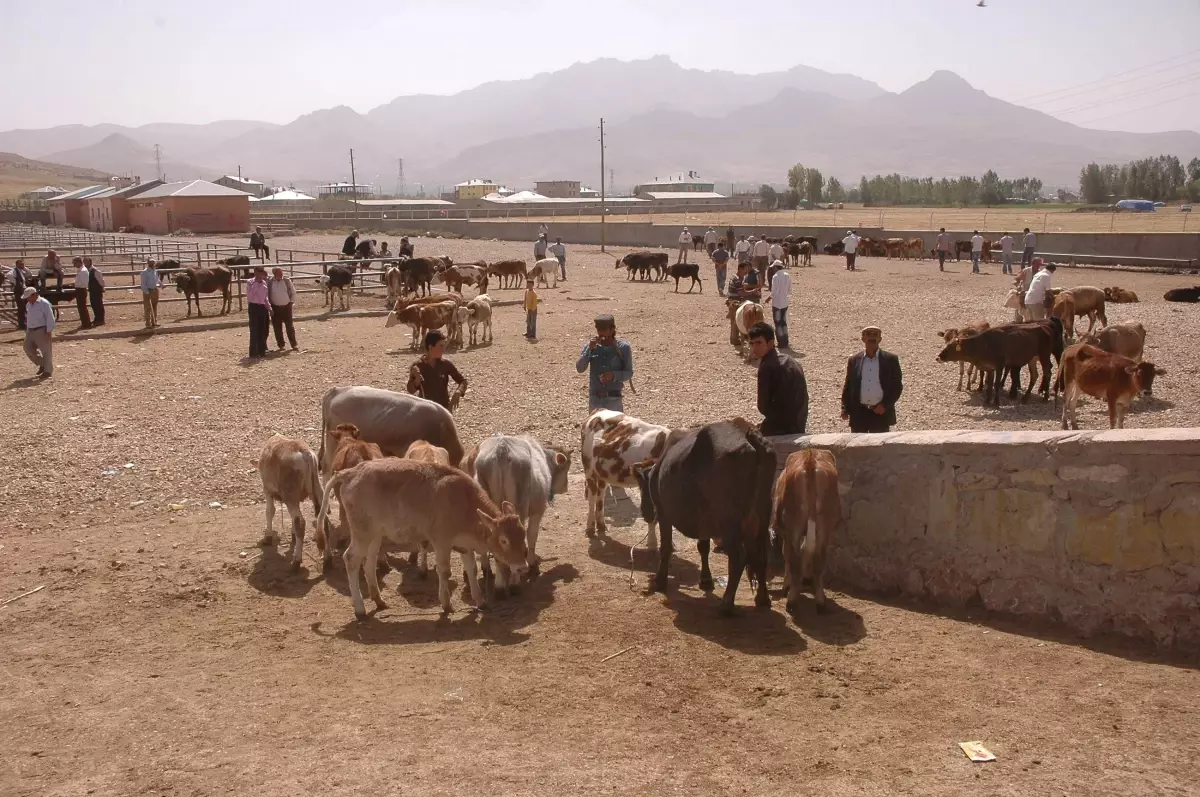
{"points": [[606, 550], [836, 626], [272, 573], [498, 625], [754, 631]]}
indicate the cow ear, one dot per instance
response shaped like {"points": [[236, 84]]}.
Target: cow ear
{"points": [[941, 334], [508, 508], [1160, 371], [487, 520], [1131, 369], [559, 459], [958, 347]]}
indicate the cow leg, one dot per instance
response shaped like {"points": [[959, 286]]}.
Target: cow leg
{"points": [[469, 567], [594, 492], [962, 367], [297, 551], [666, 548], [1016, 382], [199, 312], [677, 284], [1033, 374], [370, 571], [706, 579], [1046, 368], [353, 559], [269, 537], [531, 537], [443, 568], [1116, 418], [791, 579], [737, 563]]}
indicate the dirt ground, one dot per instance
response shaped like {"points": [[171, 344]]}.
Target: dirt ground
{"points": [[166, 655]]}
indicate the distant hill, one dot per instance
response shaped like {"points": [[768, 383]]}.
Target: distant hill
{"points": [[19, 174], [120, 154], [661, 119]]}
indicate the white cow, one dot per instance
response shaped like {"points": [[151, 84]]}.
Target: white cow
{"points": [[542, 268], [289, 472], [612, 444], [479, 311]]}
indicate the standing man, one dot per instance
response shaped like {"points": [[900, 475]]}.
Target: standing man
{"points": [[258, 296], [282, 295], [39, 344], [781, 289], [406, 248], [729, 239], [873, 386], [943, 248], [21, 279], [976, 251], [741, 250], [532, 300], [775, 252], [1006, 250], [609, 361], [539, 248], [685, 243], [350, 244], [258, 242], [95, 292], [782, 388], [720, 259], [850, 248], [710, 240], [1035, 297], [543, 231], [429, 377], [150, 286], [1030, 243], [82, 278], [559, 250], [760, 250]]}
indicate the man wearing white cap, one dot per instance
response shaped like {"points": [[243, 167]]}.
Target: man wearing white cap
{"points": [[39, 324], [685, 241]]}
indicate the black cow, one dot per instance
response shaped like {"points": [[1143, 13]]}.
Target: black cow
{"points": [[338, 278], [1004, 350], [419, 272], [236, 260], [834, 248], [642, 262], [714, 483], [192, 282], [1183, 294], [685, 270]]}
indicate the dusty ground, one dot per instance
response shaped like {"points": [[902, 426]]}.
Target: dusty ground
{"points": [[160, 660]]}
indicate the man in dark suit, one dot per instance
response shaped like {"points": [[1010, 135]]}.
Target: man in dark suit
{"points": [[873, 386]]}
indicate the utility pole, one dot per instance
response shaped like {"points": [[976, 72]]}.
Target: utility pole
{"points": [[400, 177], [158, 161], [603, 189], [612, 179], [239, 171], [353, 185]]}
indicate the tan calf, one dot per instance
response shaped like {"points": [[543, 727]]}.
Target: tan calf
{"points": [[955, 333], [348, 450], [806, 514], [403, 501], [422, 451], [1110, 377], [290, 475], [1127, 339]]}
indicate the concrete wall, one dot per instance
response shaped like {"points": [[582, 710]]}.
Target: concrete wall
{"points": [[1183, 246], [25, 216], [207, 214], [1099, 530]]}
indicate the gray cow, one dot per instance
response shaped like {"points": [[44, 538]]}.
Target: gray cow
{"points": [[391, 420], [528, 475]]}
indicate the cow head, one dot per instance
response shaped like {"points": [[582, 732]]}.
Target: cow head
{"points": [[1144, 374], [181, 281], [505, 536], [952, 352], [560, 463], [644, 470]]}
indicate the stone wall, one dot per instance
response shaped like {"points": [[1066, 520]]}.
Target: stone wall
{"points": [[1099, 530]]}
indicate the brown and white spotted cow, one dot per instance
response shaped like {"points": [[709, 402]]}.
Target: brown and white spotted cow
{"points": [[612, 443]]}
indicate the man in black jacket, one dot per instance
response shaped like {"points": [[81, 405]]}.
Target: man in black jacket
{"points": [[873, 386], [782, 388], [350, 244]]}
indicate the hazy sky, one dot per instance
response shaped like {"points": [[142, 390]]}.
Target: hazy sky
{"points": [[135, 61]]}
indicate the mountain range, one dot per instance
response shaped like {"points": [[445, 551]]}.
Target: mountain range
{"points": [[661, 119]]}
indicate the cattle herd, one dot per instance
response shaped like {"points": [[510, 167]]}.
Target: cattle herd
{"points": [[404, 483]]}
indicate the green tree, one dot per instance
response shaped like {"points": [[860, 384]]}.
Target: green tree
{"points": [[1193, 170], [1092, 185], [789, 199], [796, 177], [814, 185], [990, 189], [834, 191], [769, 196], [864, 191]]}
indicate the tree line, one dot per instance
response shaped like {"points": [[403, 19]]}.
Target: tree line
{"points": [[1158, 179], [809, 185]]}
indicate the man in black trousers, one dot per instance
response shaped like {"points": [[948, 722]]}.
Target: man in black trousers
{"points": [[873, 386]]}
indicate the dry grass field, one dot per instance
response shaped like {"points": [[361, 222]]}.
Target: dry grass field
{"points": [[994, 220], [168, 655]]}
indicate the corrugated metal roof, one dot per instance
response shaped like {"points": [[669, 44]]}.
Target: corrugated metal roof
{"points": [[80, 193], [243, 180], [191, 188], [474, 181], [684, 195], [287, 196], [529, 197], [383, 203]]}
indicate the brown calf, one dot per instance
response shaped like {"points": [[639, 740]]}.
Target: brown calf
{"points": [[1008, 348], [348, 451], [1127, 340], [1111, 377], [290, 475], [954, 333], [422, 451], [1120, 296], [807, 511]]}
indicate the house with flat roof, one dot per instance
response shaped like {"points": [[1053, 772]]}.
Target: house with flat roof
{"points": [[251, 187]]}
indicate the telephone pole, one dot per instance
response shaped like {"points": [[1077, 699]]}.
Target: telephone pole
{"points": [[239, 171], [400, 177], [603, 189], [158, 161], [353, 185]]}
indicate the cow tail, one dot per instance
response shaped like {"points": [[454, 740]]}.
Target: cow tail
{"points": [[315, 486], [757, 523], [324, 513]]}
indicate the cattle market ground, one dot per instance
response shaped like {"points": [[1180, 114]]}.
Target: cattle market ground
{"points": [[166, 655]]}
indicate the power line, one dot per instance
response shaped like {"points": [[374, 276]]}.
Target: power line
{"points": [[1108, 77], [1072, 95], [1138, 92], [1136, 110]]}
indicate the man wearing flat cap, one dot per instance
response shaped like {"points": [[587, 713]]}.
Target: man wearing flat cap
{"points": [[39, 329], [873, 386], [610, 363]]}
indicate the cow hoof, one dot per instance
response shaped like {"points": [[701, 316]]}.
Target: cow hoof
{"points": [[727, 610], [514, 590], [762, 601], [295, 568], [706, 585], [793, 607], [659, 584], [266, 542], [822, 608], [360, 616]]}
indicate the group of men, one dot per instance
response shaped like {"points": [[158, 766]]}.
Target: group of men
{"points": [[543, 249], [270, 304], [35, 314], [944, 247]]}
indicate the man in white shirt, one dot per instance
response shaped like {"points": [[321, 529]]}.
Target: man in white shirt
{"points": [[710, 240], [943, 247], [761, 249], [685, 243], [82, 279], [1006, 249], [781, 289], [976, 251], [850, 248], [1035, 297], [39, 326], [558, 250], [741, 250], [150, 285], [282, 296], [775, 252], [1030, 243]]}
